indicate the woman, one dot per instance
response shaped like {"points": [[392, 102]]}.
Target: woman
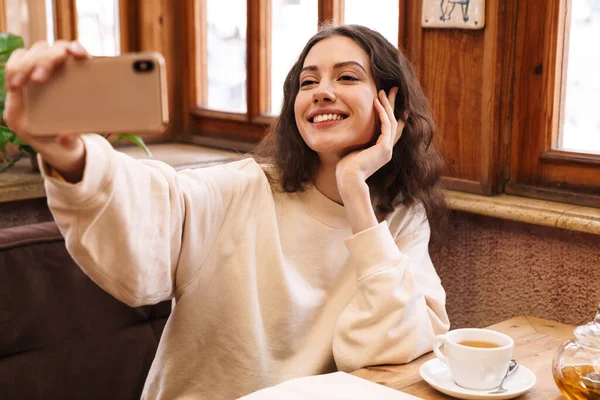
{"points": [[314, 262]]}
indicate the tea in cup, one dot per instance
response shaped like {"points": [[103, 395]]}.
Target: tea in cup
{"points": [[477, 358]]}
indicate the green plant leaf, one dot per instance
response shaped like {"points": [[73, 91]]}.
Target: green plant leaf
{"points": [[135, 139], [28, 149], [17, 141], [9, 43], [6, 136]]}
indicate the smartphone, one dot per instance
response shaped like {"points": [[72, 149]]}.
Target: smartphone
{"points": [[121, 94]]}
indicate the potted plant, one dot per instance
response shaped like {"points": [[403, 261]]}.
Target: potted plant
{"points": [[12, 149]]}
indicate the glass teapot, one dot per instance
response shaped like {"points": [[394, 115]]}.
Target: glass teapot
{"points": [[576, 364]]}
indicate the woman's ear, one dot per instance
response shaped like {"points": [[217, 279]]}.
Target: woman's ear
{"points": [[406, 115]]}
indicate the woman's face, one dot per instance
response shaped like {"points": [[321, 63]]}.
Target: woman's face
{"points": [[334, 107]]}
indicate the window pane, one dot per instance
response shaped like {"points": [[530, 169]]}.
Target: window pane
{"points": [[50, 21], [581, 129], [32, 21], [383, 18], [293, 22], [226, 46], [98, 26]]}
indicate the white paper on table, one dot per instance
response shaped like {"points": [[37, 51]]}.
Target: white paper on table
{"points": [[334, 386]]}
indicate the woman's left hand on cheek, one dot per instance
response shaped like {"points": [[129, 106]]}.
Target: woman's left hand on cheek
{"points": [[359, 165]]}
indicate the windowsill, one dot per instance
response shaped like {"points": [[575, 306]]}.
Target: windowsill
{"points": [[20, 183], [531, 211]]}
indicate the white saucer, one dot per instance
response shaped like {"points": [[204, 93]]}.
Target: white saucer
{"points": [[437, 374]]}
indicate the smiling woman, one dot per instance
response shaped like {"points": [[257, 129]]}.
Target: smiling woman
{"points": [[333, 273]]}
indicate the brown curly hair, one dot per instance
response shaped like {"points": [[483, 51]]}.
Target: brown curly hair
{"points": [[412, 176]]}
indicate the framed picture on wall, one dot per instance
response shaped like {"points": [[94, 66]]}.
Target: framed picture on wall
{"points": [[455, 14]]}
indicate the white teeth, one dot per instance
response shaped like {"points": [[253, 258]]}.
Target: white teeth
{"points": [[327, 117]]}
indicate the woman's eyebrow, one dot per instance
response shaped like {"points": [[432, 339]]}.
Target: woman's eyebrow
{"points": [[336, 66]]}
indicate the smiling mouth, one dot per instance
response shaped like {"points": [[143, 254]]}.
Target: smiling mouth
{"points": [[327, 118]]}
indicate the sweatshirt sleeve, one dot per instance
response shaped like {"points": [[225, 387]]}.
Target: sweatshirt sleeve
{"points": [[127, 220], [399, 305]]}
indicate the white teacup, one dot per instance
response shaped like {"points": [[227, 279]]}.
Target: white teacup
{"points": [[477, 368]]}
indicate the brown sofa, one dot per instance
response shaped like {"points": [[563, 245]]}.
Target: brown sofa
{"points": [[61, 336]]}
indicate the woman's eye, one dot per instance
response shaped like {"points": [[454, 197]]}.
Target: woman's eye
{"points": [[348, 78], [307, 82]]}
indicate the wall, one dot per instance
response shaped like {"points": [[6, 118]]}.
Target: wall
{"points": [[495, 269]]}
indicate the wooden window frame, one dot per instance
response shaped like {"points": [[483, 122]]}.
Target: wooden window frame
{"points": [[3, 16], [204, 125], [517, 93], [65, 22], [538, 168], [36, 25], [65, 19]]}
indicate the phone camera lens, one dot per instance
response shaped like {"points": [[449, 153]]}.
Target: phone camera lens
{"points": [[143, 66]]}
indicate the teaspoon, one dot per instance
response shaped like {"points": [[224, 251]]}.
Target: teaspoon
{"points": [[512, 367]]}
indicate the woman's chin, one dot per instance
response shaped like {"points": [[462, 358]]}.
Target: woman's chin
{"points": [[336, 147]]}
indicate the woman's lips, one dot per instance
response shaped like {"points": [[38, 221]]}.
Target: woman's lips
{"points": [[325, 124]]}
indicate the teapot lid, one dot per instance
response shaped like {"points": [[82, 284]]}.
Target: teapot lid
{"points": [[589, 334]]}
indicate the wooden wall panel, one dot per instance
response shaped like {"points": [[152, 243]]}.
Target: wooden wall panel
{"points": [[464, 74], [452, 77], [529, 82]]}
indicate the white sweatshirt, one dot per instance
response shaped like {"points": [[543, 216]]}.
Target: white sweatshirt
{"points": [[268, 286]]}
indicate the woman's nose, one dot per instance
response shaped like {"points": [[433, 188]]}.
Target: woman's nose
{"points": [[324, 94]]}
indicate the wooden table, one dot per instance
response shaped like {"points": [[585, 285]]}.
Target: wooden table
{"points": [[536, 342]]}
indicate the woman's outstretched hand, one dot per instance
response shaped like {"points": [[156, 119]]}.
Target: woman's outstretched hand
{"points": [[65, 153], [357, 166]]}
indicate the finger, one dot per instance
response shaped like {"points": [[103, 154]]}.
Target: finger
{"points": [[47, 62], [25, 65], [385, 122], [49, 59], [11, 71], [12, 110], [77, 50], [385, 101], [392, 97]]}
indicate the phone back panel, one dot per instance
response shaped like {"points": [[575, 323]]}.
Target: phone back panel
{"points": [[100, 95]]}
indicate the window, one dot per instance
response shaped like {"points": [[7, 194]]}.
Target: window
{"points": [[581, 120], [226, 46], [514, 103], [32, 20], [241, 58], [554, 152], [293, 22], [96, 23], [497, 93], [383, 17], [98, 26]]}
